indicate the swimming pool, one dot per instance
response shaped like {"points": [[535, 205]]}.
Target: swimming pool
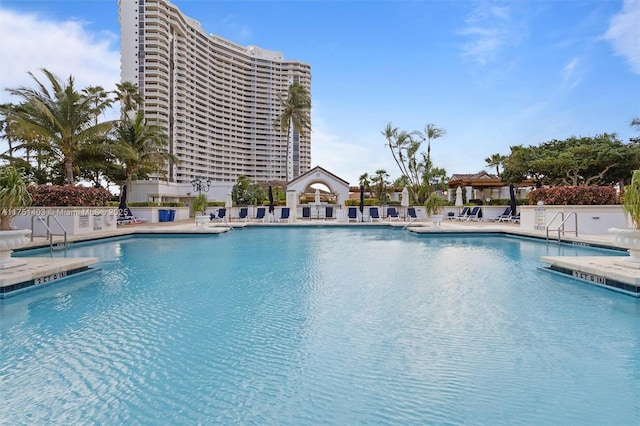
{"points": [[295, 326]]}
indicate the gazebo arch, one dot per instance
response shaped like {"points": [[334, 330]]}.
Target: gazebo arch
{"points": [[338, 189]]}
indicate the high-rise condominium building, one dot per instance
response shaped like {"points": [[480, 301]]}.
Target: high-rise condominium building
{"points": [[218, 101]]}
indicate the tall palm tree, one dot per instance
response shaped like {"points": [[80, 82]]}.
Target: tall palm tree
{"points": [[431, 132], [296, 109], [61, 115], [365, 182], [404, 150], [129, 97], [140, 147], [496, 160]]}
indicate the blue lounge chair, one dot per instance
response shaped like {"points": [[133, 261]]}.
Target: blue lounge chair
{"points": [[259, 214], [515, 219], [392, 214], [474, 214], [505, 216], [374, 215], [328, 213], [411, 212], [352, 214], [284, 214], [244, 213], [463, 214], [306, 213]]}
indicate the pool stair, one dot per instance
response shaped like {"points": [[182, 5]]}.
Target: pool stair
{"points": [[601, 271], [41, 271]]}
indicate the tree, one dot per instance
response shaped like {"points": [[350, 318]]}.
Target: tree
{"points": [[379, 184], [129, 97], [139, 147], [296, 109], [496, 160], [416, 167], [246, 192], [635, 123], [403, 149], [60, 115], [431, 132], [365, 182], [598, 160], [13, 194]]}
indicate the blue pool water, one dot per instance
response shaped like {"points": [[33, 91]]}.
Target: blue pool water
{"points": [[320, 326]]}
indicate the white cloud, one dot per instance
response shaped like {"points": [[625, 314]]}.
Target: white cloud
{"points": [[572, 73], [489, 29], [347, 159], [29, 43], [624, 34]]}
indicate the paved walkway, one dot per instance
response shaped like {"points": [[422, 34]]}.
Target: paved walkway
{"points": [[605, 271]]}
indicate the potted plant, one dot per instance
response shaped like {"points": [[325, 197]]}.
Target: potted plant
{"points": [[433, 207], [629, 238], [199, 206], [13, 196]]}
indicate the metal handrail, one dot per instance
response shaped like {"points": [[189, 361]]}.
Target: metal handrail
{"points": [[561, 229], [50, 232]]}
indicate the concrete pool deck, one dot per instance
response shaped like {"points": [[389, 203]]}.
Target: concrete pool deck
{"points": [[598, 270]]}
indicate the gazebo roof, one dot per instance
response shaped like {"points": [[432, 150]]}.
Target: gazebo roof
{"points": [[477, 180]]}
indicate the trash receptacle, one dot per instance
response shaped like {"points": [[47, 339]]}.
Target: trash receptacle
{"points": [[172, 215], [163, 215]]}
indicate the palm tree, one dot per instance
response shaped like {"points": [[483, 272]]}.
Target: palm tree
{"points": [[365, 182], [496, 160], [13, 194], [431, 132], [380, 183], [60, 115], [127, 93], [139, 147], [296, 110], [404, 151]]}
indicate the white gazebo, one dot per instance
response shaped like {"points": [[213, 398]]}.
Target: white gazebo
{"points": [[333, 190]]}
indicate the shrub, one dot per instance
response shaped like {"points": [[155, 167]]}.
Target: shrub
{"points": [[154, 204], [69, 196], [356, 202], [575, 195]]}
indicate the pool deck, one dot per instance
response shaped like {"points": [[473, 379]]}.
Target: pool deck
{"points": [[605, 271]]}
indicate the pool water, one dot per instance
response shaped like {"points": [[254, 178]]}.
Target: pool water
{"points": [[321, 326]]}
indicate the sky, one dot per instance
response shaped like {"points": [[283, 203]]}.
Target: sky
{"points": [[491, 74]]}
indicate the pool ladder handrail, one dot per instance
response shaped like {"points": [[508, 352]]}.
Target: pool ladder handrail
{"points": [[50, 232], [561, 229]]}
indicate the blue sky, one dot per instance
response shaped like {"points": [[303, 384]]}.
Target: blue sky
{"points": [[493, 74]]}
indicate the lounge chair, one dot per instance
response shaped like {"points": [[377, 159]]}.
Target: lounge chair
{"points": [[328, 213], [260, 212], [244, 213], [411, 212], [284, 214], [392, 214], [505, 216], [306, 212], [352, 214], [373, 214], [222, 212], [474, 214], [126, 217], [515, 219], [463, 214]]}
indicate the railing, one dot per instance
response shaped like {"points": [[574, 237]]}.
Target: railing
{"points": [[50, 233], [563, 220]]}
